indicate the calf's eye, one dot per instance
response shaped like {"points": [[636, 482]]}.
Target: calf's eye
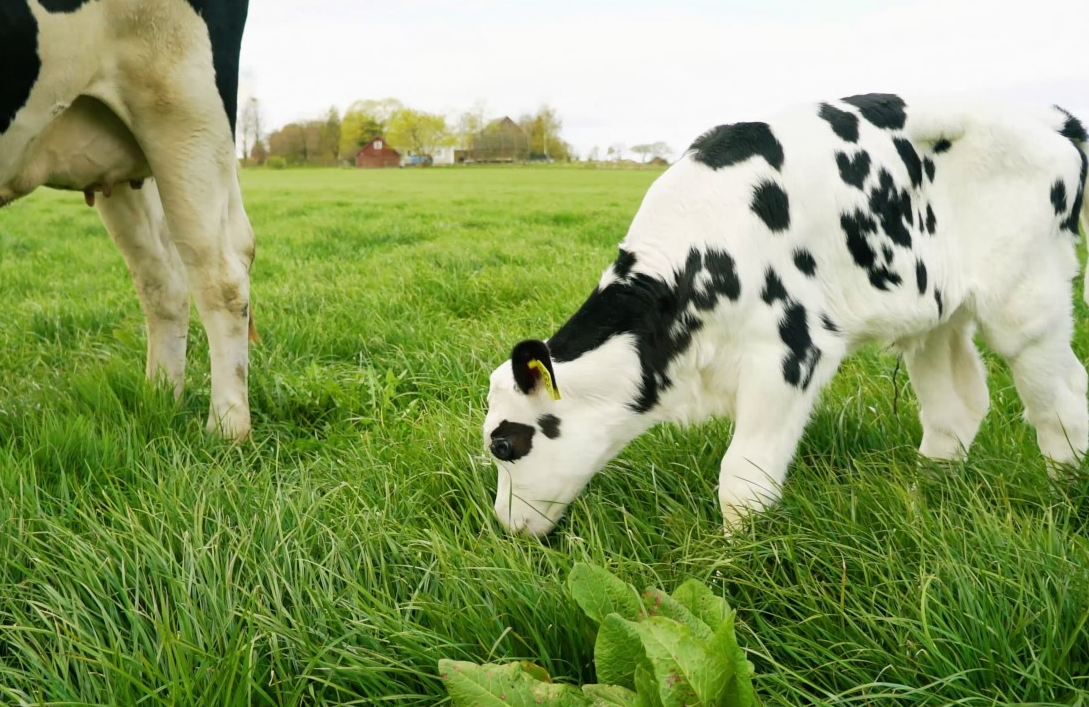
{"points": [[502, 449]]}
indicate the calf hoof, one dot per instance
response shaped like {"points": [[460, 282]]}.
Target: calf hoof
{"points": [[234, 425]]}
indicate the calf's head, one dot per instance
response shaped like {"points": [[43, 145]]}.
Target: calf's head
{"points": [[547, 444]]}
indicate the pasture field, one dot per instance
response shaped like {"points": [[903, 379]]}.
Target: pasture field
{"points": [[351, 545]]}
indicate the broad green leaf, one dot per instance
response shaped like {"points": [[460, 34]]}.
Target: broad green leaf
{"points": [[658, 603], [702, 602], [610, 696], [599, 593], [617, 651], [511, 685], [646, 686], [739, 690], [687, 670]]}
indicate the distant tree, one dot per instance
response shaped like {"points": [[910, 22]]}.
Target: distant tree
{"points": [[595, 154], [616, 151], [544, 128], [297, 143], [330, 136], [660, 149], [250, 124], [258, 153], [471, 123], [364, 121], [418, 132], [642, 150]]}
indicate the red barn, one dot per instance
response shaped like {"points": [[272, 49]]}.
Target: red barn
{"points": [[377, 153]]}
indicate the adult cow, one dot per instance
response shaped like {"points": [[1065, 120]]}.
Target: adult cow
{"points": [[99, 96]]}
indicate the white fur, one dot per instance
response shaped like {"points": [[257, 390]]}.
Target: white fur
{"points": [[998, 256], [127, 92]]}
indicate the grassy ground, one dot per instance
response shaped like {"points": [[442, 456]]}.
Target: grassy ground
{"points": [[352, 544]]}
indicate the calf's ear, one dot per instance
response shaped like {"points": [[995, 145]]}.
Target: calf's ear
{"points": [[532, 366]]}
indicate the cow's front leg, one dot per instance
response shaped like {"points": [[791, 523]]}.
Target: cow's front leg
{"points": [[135, 221], [773, 406]]}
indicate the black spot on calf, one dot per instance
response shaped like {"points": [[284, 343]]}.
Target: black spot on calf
{"points": [[802, 355], [853, 170], [773, 288], [857, 226], [550, 425], [892, 208], [661, 315], [911, 160], [941, 146], [938, 300], [732, 144], [770, 203], [62, 6], [803, 260], [1075, 211], [920, 276], [828, 324], [625, 261], [928, 165], [1072, 129], [1058, 197], [884, 110], [844, 124], [931, 220]]}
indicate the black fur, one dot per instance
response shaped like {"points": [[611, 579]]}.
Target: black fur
{"points": [[1058, 197], [856, 226], [525, 351], [550, 426], [773, 288], [19, 59], [625, 261], [844, 124], [771, 204], [1079, 195], [63, 6], [920, 276], [854, 170], [911, 160], [892, 207], [938, 300], [658, 314], [941, 146], [884, 110], [928, 165], [510, 441], [728, 145], [804, 261], [225, 19], [1072, 129], [828, 324], [931, 220], [802, 354]]}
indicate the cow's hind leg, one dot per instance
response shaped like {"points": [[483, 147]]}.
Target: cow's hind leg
{"points": [[1032, 331], [202, 200], [950, 383], [135, 221], [770, 417]]}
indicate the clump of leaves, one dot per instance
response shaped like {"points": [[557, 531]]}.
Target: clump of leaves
{"points": [[652, 650]]}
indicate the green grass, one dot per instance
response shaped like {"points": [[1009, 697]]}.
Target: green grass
{"points": [[336, 558]]}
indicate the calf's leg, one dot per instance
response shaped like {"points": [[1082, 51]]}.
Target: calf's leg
{"points": [[950, 383]]}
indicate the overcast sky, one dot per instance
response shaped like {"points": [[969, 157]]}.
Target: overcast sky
{"points": [[635, 71]]}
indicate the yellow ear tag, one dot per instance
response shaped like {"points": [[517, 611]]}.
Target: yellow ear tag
{"points": [[546, 377]]}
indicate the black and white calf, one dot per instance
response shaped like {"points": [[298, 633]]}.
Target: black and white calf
{"points": [[135, 99], [770, 252]]}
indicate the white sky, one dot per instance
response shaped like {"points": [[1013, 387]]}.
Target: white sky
{"points": [[635, 71]]}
